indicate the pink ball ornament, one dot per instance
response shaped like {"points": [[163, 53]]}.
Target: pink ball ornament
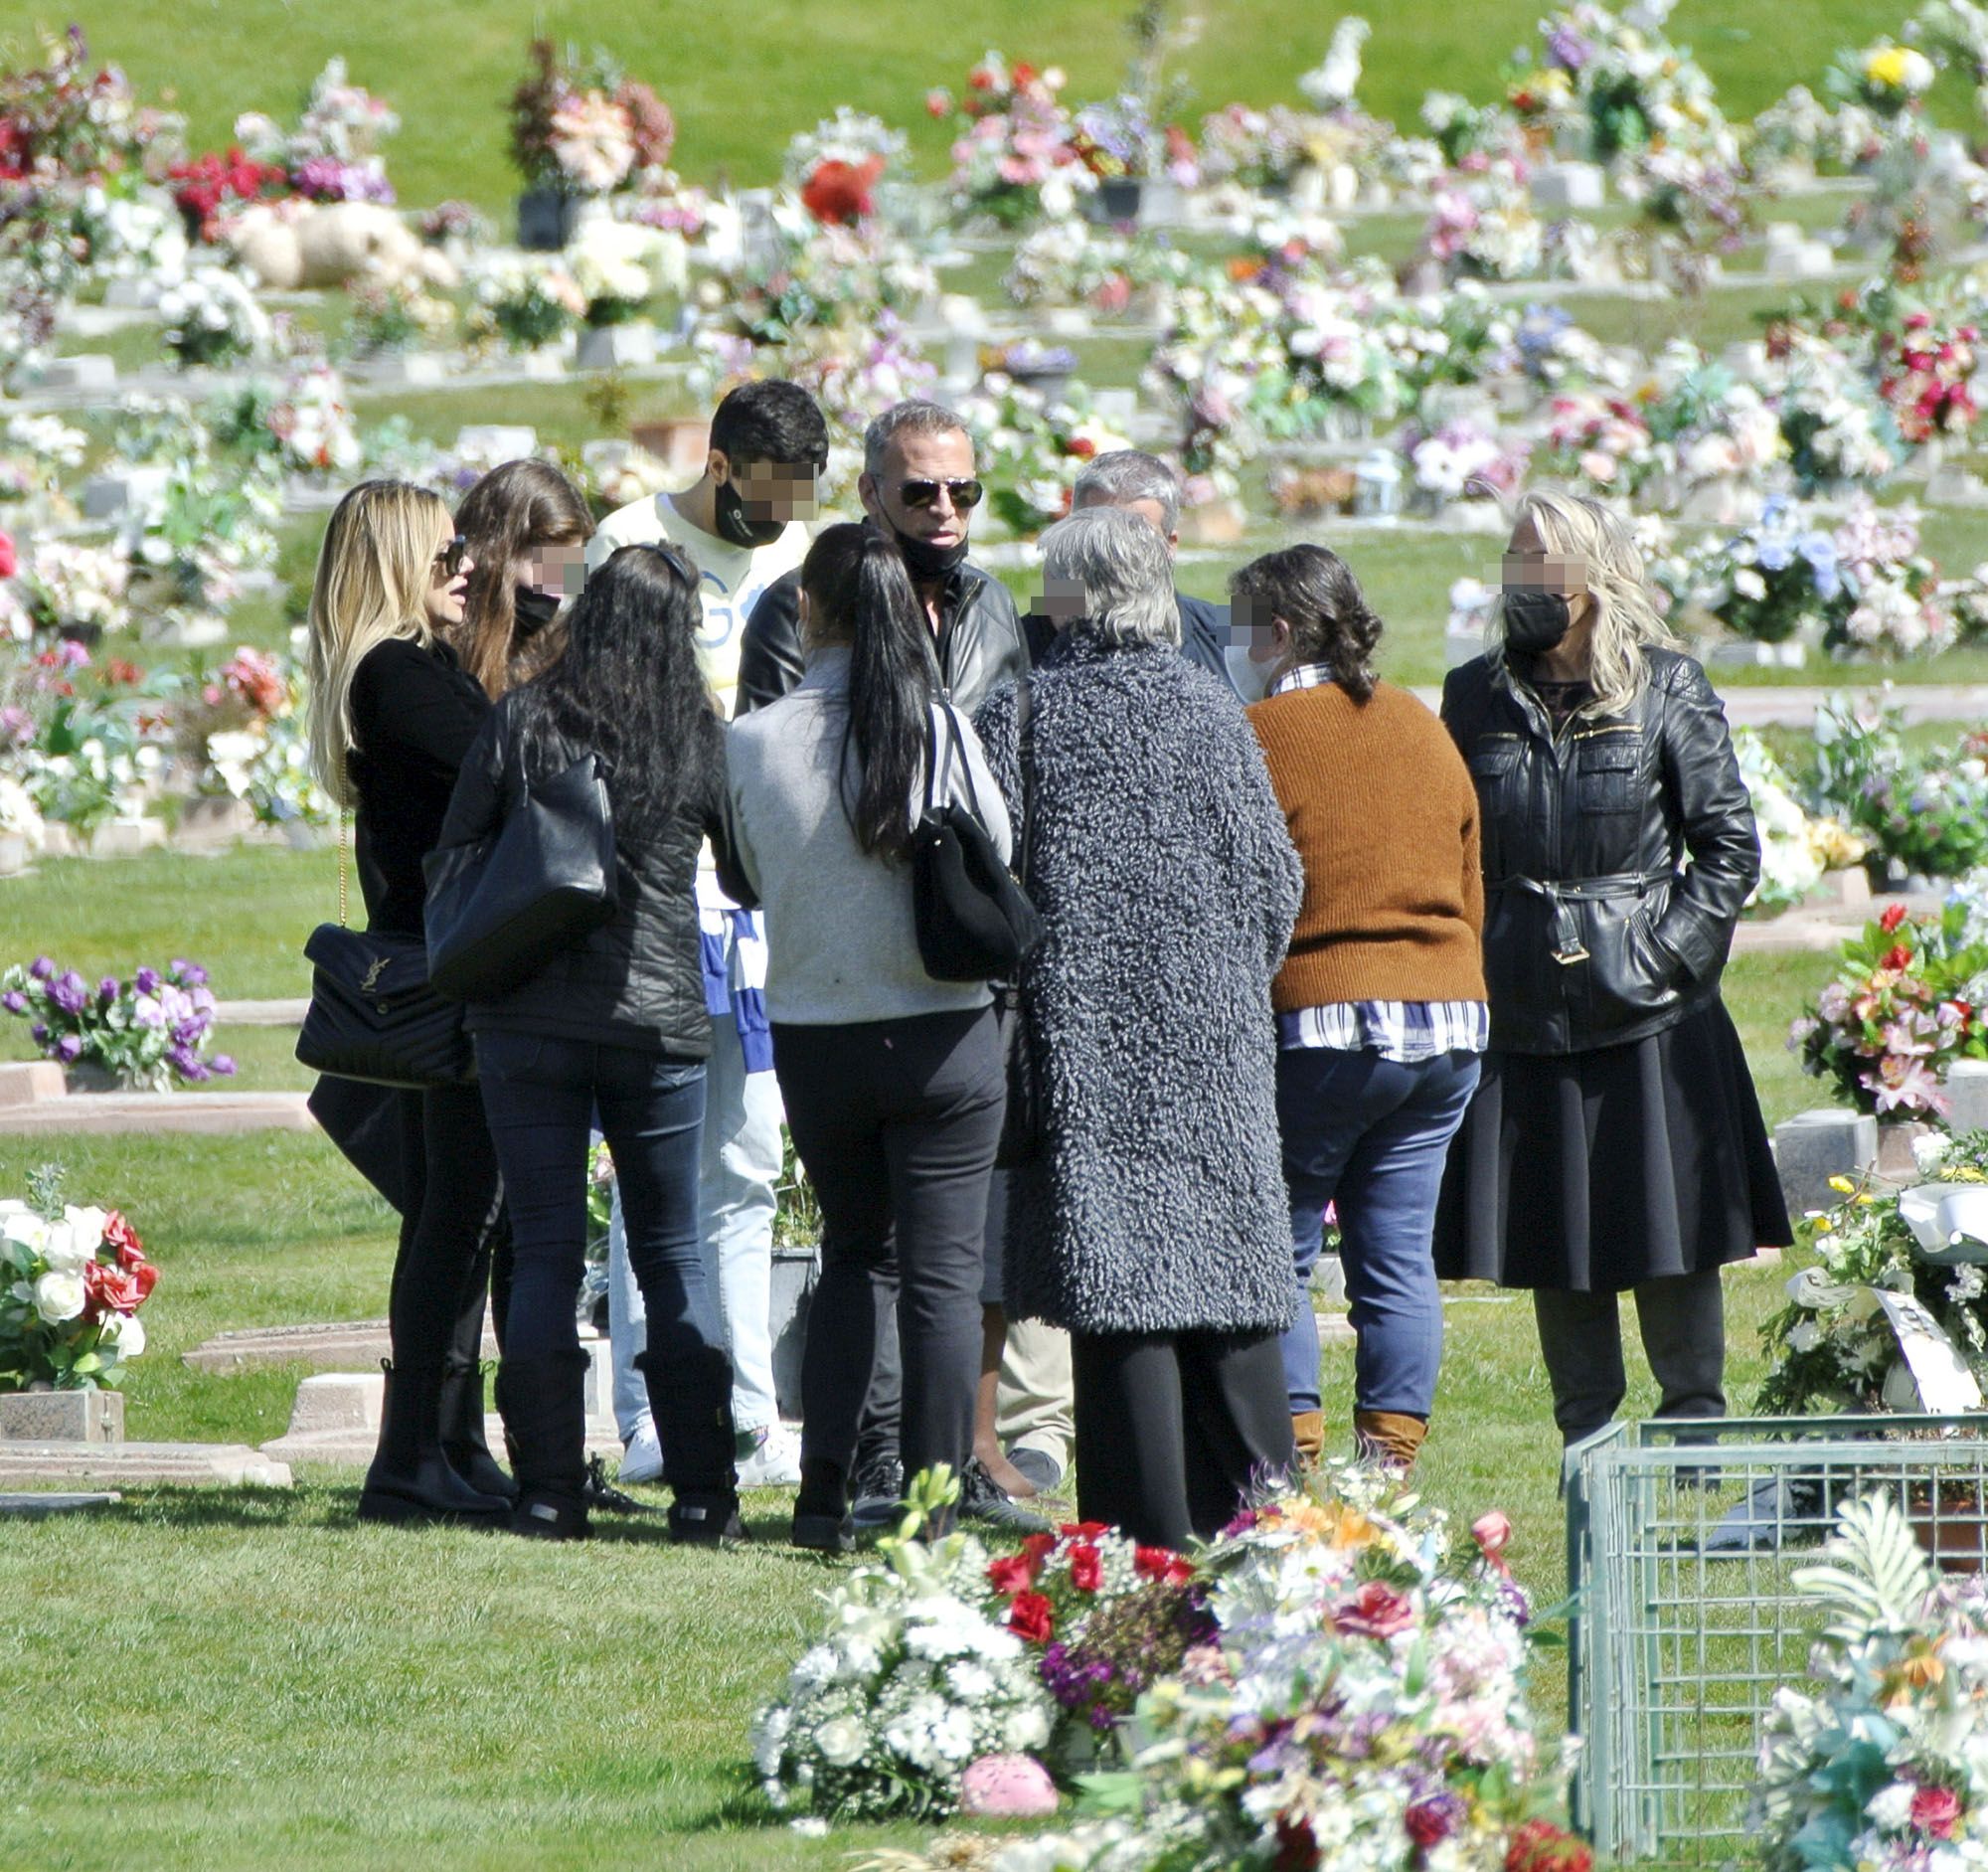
{"points": [[1007, 1787]]}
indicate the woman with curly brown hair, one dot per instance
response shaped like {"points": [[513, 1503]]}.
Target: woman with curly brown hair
{"points": [[525, 527], [1381, 1005]]}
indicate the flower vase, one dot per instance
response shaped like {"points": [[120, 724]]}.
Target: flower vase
{"points": [[87, 1075], [545, 220], [1896, 1138], [1115, 199]]}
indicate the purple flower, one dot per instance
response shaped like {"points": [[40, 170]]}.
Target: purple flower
{"points": [[189, 974], [224, 1065], [14, 1001], [186, 1063], [68, 1048], [106, 989], [146, 981], [1567, 50], [71, 993], [42, 969], [39, 1034]]}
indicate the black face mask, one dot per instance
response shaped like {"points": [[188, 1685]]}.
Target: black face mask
{"points": [[927, 562], [533, 609], [728, 509], [1535, 621]]}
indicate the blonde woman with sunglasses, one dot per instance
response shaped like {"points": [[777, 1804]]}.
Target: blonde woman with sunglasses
{"points": [[392, 713]]}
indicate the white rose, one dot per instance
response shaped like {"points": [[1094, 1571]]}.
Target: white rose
{"points": [[124, 1331], [58, 1295], [89, 1224], [1892, 1808], [841, 1741], [1805, 1337], [68, 1250], [1058, 196]]}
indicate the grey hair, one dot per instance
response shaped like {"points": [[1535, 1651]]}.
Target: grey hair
{"points": [[1128, 474], [1125, 571], [915, 415]]}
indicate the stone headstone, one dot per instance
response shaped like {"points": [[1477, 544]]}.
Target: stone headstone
{"points": [[1814, 1147], [350, 1345], [1570, 185], [32, 1506], [232, 1464], [123, 490], [91, 371], [1801, 260], [84, 1417], [617, 347], [1968, 1089], [496, 441], [1118, 406], [29, 1082], [1328, 1280], [132, 296], [417, 370], [795, 1271], [1951, 486]]}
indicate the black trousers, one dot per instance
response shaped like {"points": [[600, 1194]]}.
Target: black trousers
{"points": [[448, 1223], [1175, 1429], [897, 1123], [1682, 1322]]}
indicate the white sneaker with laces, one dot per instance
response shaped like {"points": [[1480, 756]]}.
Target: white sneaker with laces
{"points": [[769, 1457], [642, 1461]]}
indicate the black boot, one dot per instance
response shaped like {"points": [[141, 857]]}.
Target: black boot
{"points": [[821, 1510], [544, 1402], [411, 1478], [691, 1400], [462, 1439]]}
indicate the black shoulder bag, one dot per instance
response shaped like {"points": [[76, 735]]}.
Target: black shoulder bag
{"points": [[973, 922], [1022, 1129], [372, 1013], [500, 908]]}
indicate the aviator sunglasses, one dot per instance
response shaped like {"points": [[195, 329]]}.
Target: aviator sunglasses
{"points": [[965, 494], [448, 562]]}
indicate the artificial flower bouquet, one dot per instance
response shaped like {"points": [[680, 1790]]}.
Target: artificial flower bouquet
{"points": [[1795, 849], [1016, 156], [71, 1282], [212, 318], [1036, 446], [587, 128], [524, 303], [1887, 79], [332, 154], [1874, 1762], [837, 168], [1904, 1005], [147, 1031]]}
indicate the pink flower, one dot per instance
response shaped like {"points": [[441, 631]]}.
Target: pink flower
{"points": [[1007, 1787], [1493, 1534], [1936, 1810], [1377, 1610]]}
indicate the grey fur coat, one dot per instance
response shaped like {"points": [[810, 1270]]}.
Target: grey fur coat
{"points": [[1168, 886]]}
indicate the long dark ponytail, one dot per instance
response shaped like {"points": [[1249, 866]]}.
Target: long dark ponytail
{"points": [[628, 686], [859, 592]]}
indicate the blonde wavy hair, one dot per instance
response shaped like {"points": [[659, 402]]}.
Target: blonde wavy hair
{"points": [[1626, 621], [371, 587]]}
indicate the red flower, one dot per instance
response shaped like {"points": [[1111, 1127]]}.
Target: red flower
{"points": [[937, 102], [148, 1278], [981, 79], [1087, 1568], [108, 1290], [1936, 1810], [1037, 1546], [1162, 1563], [1898, 956], [1377, 1610], [1012, 1573], [121, 1235], [1895, 913], [1541, 1847], [839, 192], [1032, 1618], [1082, 447], [9, 560], [1297, 1846], [1084, 1530]]}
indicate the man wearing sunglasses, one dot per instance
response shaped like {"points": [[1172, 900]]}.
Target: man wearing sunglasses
{"points": [[919, 486], [741, 527]]}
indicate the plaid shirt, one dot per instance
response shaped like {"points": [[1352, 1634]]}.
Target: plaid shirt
{"points": [[1407, 1031]]}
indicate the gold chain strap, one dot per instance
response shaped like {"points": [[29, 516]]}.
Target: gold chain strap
{"points": [[342, 818]]}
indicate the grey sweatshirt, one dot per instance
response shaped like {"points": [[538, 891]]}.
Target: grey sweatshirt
{"points": [[840, 942]]}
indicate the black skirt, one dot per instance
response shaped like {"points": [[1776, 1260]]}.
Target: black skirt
{"points": [[1597, 1171]]}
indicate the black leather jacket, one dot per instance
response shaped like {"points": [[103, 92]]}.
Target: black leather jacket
{"points": [[637, 980], [980, 644], [1596, 930]]}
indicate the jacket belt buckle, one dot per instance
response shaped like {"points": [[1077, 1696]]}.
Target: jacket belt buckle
{"points": [[1568, 957]]}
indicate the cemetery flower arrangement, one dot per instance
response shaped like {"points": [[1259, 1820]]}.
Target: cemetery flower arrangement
{"points": [[620, 265], [73, 1279], [62, 123], [331, 155], [1260, 149], [836, 167], [1460, 460], [1967, 600], [1836, 430], [1597, 440], [1034, 445], [1904, 1004], [1887, 79], [1874, 1760], [212, 318], [209, 186], [1895, 587], [587, 130], [1832, 1346], [914, 1679], [1927, 375], [389, 317], [148, 1031], [304, 424], [1776, 580], [1118, 138], [1016, 156], [1795, 850], [524, 303], [828, 273]]}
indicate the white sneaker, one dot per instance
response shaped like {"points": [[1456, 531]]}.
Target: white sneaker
{"points": [[769, 1457], [642, 1461]]}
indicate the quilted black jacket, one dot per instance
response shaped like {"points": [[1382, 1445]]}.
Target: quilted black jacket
{"points": [[637, 980], [1617, 855]]}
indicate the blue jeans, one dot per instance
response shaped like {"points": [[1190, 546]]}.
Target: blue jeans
{"points": [[1370, 1134], [540, 1093]]}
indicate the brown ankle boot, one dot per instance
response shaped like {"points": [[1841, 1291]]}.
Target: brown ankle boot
{"points": [[1390, 1438], [1308, 1433]]}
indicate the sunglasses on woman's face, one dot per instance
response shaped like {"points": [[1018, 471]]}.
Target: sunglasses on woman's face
{"points": [[448, 562], [965, 495]]}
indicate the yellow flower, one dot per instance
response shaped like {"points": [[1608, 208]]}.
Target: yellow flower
{"points": [[1887, 66], [1843, 1186]]}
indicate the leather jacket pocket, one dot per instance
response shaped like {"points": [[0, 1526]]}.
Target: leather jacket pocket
{"points": [[1631, 977], [1608, 773], [1494, 771]]}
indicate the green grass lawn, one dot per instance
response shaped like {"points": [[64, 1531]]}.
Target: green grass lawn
{"points": [[742, 79]]}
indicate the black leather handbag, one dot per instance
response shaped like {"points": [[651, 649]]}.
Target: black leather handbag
{"points": [[500, 908], [1021, 1127], [372, 1015], [974, 924]]}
